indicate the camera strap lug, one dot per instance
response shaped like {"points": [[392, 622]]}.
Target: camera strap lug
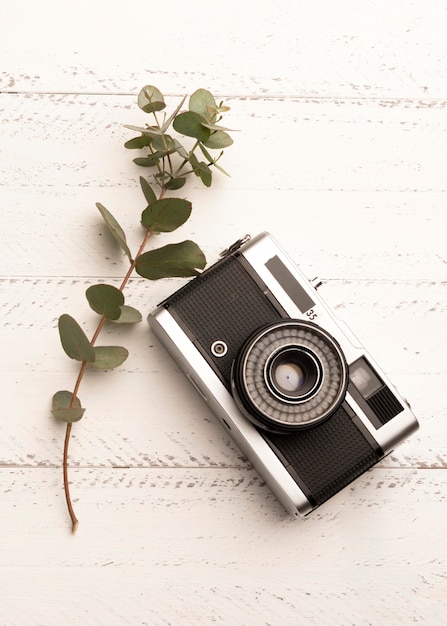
{"points": [[235, 246]]}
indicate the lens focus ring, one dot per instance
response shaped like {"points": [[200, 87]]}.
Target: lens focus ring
{"points": [[290, 375]]}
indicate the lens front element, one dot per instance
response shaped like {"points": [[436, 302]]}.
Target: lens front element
{"points": [[293, 374], [289, 375]]}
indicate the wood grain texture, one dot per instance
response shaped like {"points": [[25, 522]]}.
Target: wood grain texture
{"points": [[341, 152], [212, 545], [370, 173], [323, 50]]}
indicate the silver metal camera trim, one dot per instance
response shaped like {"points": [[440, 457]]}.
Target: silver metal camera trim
{"points": [[257, 252]]}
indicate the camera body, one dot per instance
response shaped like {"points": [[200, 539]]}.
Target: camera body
{"points": [[297, 392]]}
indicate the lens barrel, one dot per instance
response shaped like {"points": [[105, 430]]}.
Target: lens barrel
{"points": [[289, 375]]}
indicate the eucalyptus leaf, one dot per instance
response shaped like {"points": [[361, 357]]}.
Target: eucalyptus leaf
{"points": [[148, 192], [221, 169], [218, 139], [180, 259], [164, 216], [193, 161], [222, 108], [109, 357], [150, 99], [201, 169], [150, 161], [62, 408], [105, 300], [217, 127], [180, 149], [138, 142], [170, 119], [190, 124], [206, 154], [203, 103], [150, 131], [175, 183], [211, 160], [163, 143], [115, 229], [129, 315], [74, 341], [205, 175]]}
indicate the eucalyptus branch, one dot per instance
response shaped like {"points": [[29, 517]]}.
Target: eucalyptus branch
{"points": [[82, 370], [162, 214]]}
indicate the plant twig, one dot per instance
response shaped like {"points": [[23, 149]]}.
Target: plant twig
{"points": [[74, 519]]}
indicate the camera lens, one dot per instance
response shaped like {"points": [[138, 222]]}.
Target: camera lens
{"points": [[293, 374], [289, 375]]}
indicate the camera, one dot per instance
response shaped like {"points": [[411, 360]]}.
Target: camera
{"points": [[297, 392]]}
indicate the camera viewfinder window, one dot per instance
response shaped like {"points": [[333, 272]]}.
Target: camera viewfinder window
{"points": [[363, 378]]}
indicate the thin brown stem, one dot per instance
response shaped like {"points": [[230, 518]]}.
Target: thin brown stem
{"points": [[74, 519], [102, 321]]}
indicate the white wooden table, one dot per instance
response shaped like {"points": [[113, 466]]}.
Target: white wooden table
{"points": [[342, 109]]}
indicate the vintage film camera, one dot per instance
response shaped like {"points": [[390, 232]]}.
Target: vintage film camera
{"points": [[297, 392]]}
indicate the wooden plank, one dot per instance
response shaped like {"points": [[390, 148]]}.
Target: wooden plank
{"points": [[392, 236], [306, 144], [349, 189], [323, 49], [132, 417], [399, 320], [374, 554]]}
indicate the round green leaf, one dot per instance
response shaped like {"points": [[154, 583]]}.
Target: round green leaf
{"points": [[138, 142], [115, 229], [105, 300], [190, 124], [149, 161], [218, 139], [129, 315], [164, 216], [74, 340], [62, 408], [164, 143], [108, 357], [180, 259], [175, 183], [151, 99], [203, 103]]}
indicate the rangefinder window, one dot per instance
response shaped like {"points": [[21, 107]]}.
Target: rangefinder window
{"points": [[377, 400], [364, 379], [291, 286]]}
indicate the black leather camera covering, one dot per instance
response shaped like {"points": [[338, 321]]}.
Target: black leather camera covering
{"points": [[224, 303], [325, 458]]}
